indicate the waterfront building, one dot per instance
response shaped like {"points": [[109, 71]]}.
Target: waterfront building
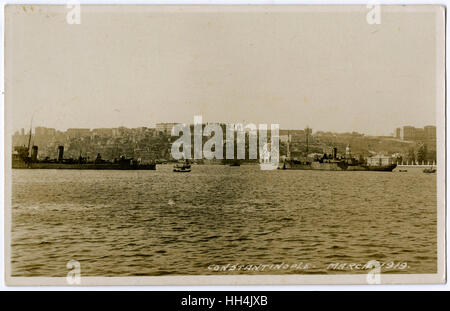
{"points": [[380, 159]]}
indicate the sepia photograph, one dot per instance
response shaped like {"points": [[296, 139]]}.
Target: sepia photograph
{"points": [[224, 144]]}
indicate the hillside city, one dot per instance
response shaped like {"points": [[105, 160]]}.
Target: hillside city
{"points": [[408, 144]]}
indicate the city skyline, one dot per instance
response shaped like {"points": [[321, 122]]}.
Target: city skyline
{"points": [[153, 143], [393, 133]]}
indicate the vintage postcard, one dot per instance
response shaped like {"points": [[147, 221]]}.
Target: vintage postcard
{"points": [[224, 144]]}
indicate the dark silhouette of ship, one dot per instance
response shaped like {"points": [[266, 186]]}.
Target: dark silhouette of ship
{"points": [[22, 160], [183, 167], [430, 170], [235, 163], [232, 162], [331, 162], [324, 163]]}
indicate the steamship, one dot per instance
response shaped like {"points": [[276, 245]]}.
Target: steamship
{"points": [[333, 162], [22, 160]]}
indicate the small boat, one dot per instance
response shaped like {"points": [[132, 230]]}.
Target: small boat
{"points": [[235, 163], [402, 171], [429, 170], [182, 168]]}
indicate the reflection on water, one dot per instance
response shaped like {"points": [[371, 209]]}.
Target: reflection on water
{"points": [[128, 223]]}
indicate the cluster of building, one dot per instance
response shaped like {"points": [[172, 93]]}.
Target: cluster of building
{"points": [[146, 144], [154, 143], [411, 133]]}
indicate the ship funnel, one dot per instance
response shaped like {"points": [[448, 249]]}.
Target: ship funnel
{"points": [[60, 153], [334, 152], [34, 153]]}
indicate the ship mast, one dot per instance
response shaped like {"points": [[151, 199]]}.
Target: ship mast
{"points": [[288, 152], [29, 138], [307, 140]]}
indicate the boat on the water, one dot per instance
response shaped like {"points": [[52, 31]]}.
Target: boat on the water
{"points": [[182, 168], [430, 170], [333, 162], [235, 163], [402, 171], [22, 160]]}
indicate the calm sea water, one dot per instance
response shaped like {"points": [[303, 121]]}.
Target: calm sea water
{"points": [[128, 223]]}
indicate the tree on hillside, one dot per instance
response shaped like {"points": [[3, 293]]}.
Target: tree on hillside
{"points": [[411, 157], [422, 153]]}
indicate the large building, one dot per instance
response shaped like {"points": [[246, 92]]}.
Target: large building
{"points": [[411, 133], [78, 132], [165, 128], [430, 132], [44, 131], [102, 132], [379, 160]]}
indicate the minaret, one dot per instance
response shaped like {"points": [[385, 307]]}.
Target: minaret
{"points": [[347, 152], [288, 151]]}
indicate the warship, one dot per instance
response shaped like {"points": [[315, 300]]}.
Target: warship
{"points": [[333, 162], [21, 159]]}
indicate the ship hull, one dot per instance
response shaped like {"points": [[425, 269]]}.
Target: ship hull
{"points": [[85, 166], [181, 171], [332, 166], [376, 168], [337, 166], [382, 168]]}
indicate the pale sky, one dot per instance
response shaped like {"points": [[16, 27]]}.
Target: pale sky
{"points": [[136, 66]]}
